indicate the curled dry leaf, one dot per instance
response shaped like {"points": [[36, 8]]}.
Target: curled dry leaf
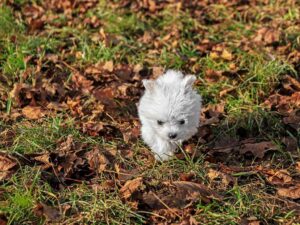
{"points": [[32, 112], [45, 159], [6, 166], [130, 187], [215, 175], [280, 177], [82, 83], [291, 192], [96, 160]]}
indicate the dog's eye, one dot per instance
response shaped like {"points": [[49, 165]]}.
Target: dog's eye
{"points": [[181, 122], [159, 122]]}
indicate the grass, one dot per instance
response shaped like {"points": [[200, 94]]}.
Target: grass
{"points": [[176, 40]]}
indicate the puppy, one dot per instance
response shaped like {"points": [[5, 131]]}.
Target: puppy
{"points": [[169, 112]]}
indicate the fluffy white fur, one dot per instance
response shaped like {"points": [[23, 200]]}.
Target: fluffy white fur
{"points": [[169, 112]]}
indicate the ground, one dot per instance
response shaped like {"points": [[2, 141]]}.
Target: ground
{"points": [[70, 79]]}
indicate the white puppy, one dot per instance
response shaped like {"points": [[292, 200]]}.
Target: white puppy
{"points": [[169, 112]]}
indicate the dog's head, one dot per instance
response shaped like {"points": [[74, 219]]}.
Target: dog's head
{"points": [[171, 106]]}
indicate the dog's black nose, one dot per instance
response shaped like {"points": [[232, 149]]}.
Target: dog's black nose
{"points": [[172, 135]]}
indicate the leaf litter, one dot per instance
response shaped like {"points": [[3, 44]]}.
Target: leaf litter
{"points": [[101, 96]]}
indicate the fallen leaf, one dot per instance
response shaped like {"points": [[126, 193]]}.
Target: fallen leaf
{"points": [[32, 112], [105, 95], [258, 149], [213, 76], [157, 71], [82, 83], [214, 55], [50, 213], [179, 194], [65, 145], [92, 128], [254, 222], [152, 5], [97, 161], [278, 177], [226, 55], [109, 66], [290, 143], [220, 179], [297, 166], [267, 35], [130, 187], [291, 192], [293, 119], [187, 176], [6, 164], [45, 159]]}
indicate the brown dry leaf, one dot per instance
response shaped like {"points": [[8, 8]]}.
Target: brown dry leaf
{"points": [[109, 66], [65, 145], [157, 71], [290, 143], [6, 164], [50, 213], [279, 177], [212, 174], [92, 128], [213, 76], [124, 72], [105, 95], [131, 134], [226, 55], [291, 192], [45, 158], [7, 137], [179, 194], [96, 160], [254, 222], [293, 119], [225, 178], [189, 221], [187, 176], [32, 112], [82, 83], [130, 187], [93, 69], [214, 55], [290, 84], [226, 91], [258, 149], [152, 5], [267, 35], [125, 175], [297, 166]]}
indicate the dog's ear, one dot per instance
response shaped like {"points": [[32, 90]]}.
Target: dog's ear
{"points": [[188, 81], [148, 84]]}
